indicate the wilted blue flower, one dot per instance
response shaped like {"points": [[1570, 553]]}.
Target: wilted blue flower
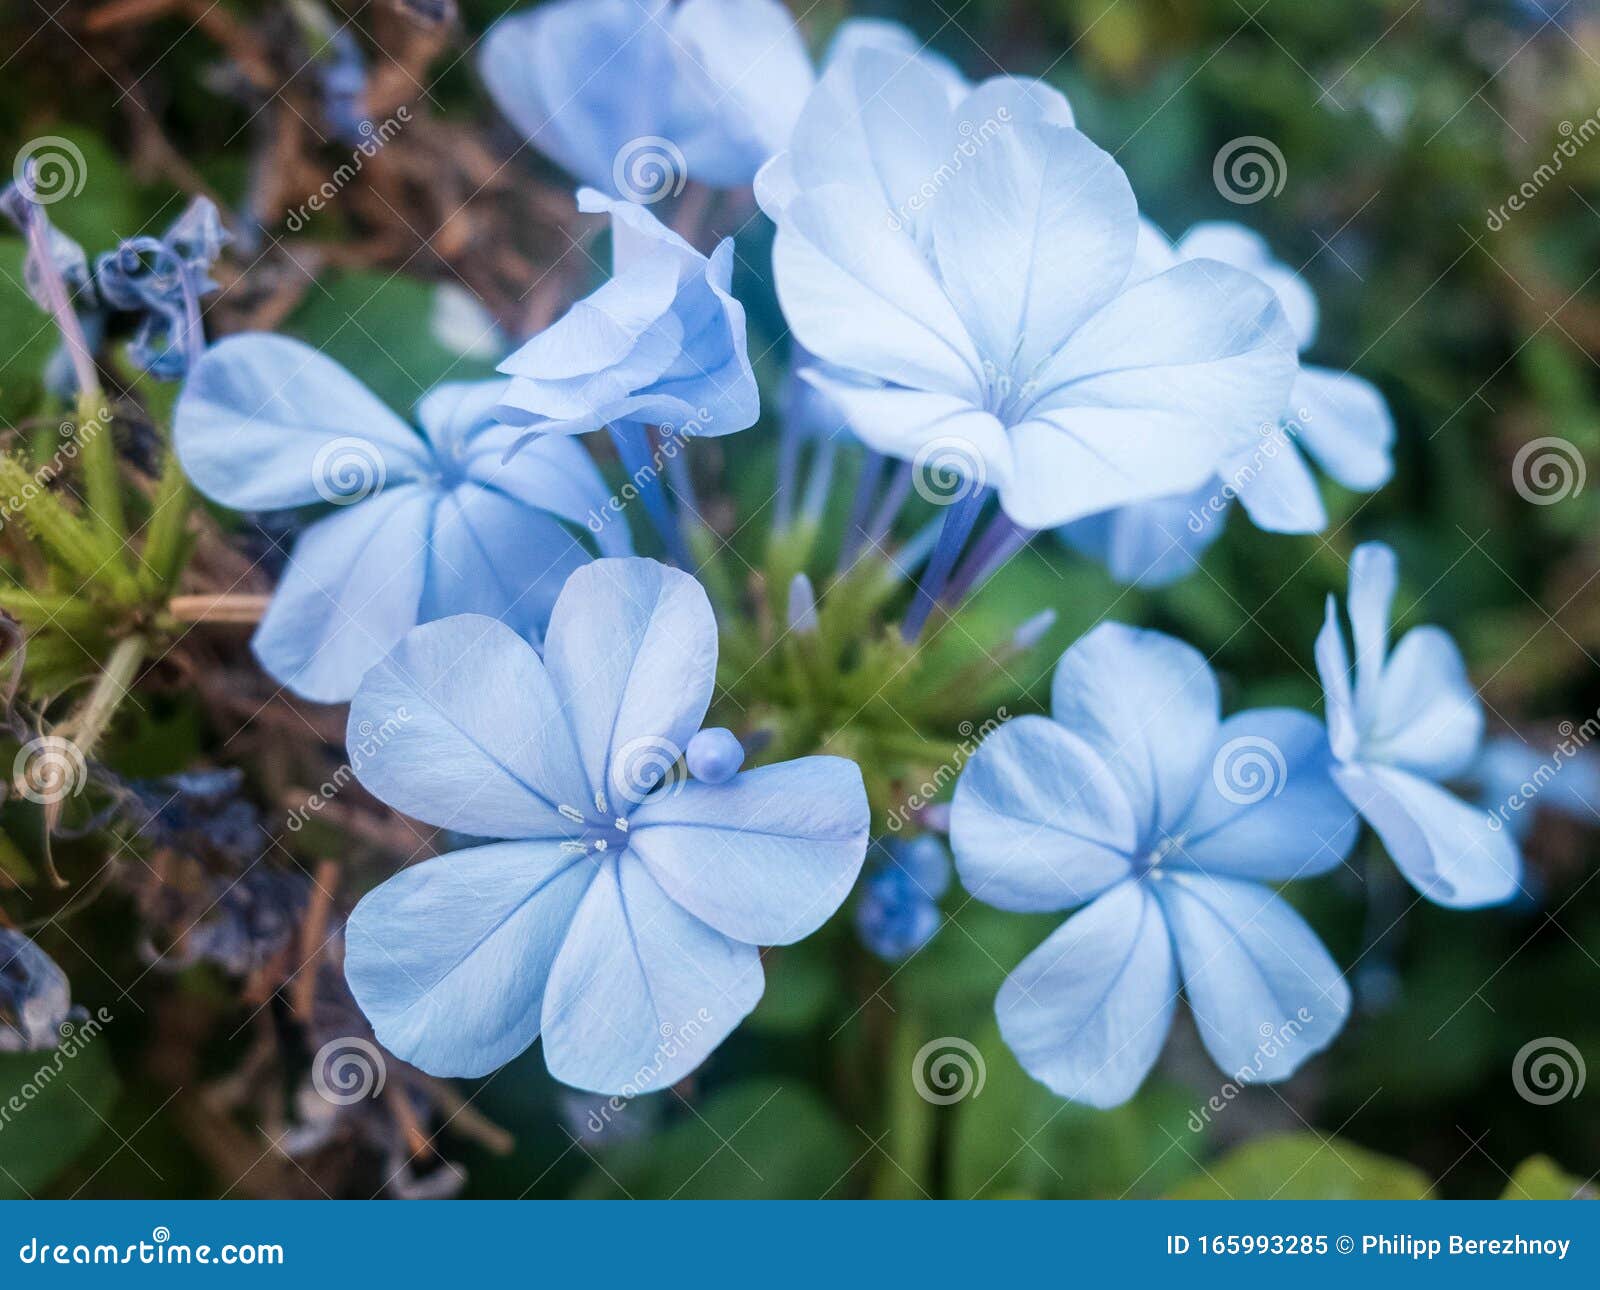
{"points": [[971, 269], [150, 286], [342, 76], [1411, 720], [35, 999], [1137, 799], [1340, 419], [429, 525], [661, 343], [898, 912], [634, 97], [621, 919]]}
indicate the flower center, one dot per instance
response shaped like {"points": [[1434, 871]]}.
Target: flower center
{"points": [[1144, 866], [594, 836]]}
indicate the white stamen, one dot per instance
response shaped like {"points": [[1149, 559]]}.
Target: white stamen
{"points": [[570, 813]]}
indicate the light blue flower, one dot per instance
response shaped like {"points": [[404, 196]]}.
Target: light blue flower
{"points": [[970, 269], [620, 918], [1411, 720], [634, 97], [1513, 781], [1341, 421], [1137, 799], [899, 908], [661, 343], [427, 525]]}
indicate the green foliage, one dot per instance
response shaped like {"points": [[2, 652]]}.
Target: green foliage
{"points": [[759, 1140], [1304, 1166], [63, 1100]]}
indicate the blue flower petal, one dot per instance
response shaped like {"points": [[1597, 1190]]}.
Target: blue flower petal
{"points": [[1269, 809], [1275, 486], [473, 736], [352, 587], [663, 341], [1027, 270], [1448, 850], [766, 858], [1428, 719], [632, 648], [582, 79], [858, 293], [743, 76], [642, 990], [1148, 704], [1374, 576], [1243, 248], [265, 422], [491, 555], [449, 958], [1150, 394], [1333, 667], [1264, 992], [1088, 1011], [553, 474], [1038, 822], [1346, 425], [877, 123], [895, 38], [1154, 543]]}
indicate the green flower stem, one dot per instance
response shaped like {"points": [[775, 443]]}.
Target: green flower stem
{"points": [[51, 608], [102, 483], [166, 537], [89, 722], [906, 1171]]}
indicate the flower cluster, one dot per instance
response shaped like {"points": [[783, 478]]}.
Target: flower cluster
{"points": [[981, 322]]}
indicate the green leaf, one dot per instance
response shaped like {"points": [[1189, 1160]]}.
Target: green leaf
{"points": [[378, 326], [1304, 1166], [52, 1109], [1541, 1178], [759, 1140]]}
